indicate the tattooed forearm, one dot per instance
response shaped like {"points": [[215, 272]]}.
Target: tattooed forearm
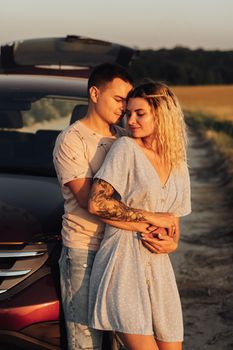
{"points": [[103, 204]]}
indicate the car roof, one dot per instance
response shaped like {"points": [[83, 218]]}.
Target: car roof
{"points": [[49, 85]]}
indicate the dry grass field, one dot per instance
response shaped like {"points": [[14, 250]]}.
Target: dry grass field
{"points": [[214, 103], [214, 100]]}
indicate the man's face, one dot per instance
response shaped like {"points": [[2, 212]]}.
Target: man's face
{"points": [[111, 100]]}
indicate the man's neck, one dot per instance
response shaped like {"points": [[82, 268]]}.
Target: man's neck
{"points": [[95, 123]]}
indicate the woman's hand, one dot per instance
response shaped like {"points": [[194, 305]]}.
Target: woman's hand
{"points": [[160, 244]]}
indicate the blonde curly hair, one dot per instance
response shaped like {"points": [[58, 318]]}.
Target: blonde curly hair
{"points": [[170, 128]]}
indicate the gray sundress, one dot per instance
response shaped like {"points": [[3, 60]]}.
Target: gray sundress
{"points": [[131, 289]]}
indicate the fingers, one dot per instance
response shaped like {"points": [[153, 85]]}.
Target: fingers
{"points": [[147, 232], [153, 242], [172, 230], [155, 232], [151, 228], [152, 238], [164, 244], [144, 228], [147, 229], [160, 230], [151, 248], [170, 224]]}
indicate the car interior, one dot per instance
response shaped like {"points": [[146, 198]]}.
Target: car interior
{"points": [[29, 152]]}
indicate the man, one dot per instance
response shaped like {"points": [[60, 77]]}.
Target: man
{"points": [[78, 154]]}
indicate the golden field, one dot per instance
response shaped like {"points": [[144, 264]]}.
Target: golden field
{"points": [[214, 100]]}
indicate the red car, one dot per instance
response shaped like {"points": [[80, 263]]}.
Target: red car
{"points": [[39, 97]]}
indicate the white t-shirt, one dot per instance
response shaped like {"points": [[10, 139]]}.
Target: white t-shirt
{"points": [[79, 153]]}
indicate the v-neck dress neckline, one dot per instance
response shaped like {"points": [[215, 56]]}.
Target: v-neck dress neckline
{"points": [[163, 185]]}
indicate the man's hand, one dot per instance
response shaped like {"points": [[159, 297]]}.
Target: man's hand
{"points": [[159, 243], [153, 231], [140, 227], [165, 220]]}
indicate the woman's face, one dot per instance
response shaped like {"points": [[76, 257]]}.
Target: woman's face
{"points": [[140, 119]]}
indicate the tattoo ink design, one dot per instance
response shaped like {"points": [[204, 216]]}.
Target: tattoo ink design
{"points": [[109, 208]]}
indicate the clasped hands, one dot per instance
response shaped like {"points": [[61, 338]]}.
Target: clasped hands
{"points": [[158, 241]]}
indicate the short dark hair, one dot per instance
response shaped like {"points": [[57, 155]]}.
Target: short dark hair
{"points": [[105, 73]]}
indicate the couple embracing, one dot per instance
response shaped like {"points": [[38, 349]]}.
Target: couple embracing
{"points": [[124, 191]]}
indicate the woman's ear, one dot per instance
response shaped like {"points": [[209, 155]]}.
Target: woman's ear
{"points": [[93, 93]]}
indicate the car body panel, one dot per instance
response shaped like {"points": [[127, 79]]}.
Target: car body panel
{"points": [[60, 86], [26, 209], [29, 306]]}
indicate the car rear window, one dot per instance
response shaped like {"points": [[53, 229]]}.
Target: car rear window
{"points": [[28, 130]]}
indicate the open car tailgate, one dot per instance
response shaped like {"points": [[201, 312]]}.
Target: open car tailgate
{"points": [[69, 56]]}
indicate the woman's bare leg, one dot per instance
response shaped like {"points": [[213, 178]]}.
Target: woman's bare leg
{"points": [[169, 346], [138, 342]]}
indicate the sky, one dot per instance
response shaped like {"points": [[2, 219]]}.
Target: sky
{"points": [[142, 24]]}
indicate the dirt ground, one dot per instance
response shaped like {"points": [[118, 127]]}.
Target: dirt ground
{"points": [[204, 260]]}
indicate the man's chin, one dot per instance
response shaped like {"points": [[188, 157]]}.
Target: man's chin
{"points": [[116, 120]]}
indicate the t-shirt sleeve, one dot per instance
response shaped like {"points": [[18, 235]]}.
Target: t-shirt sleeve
{"points": [[115, 168], [184, 206], [70, 159]]}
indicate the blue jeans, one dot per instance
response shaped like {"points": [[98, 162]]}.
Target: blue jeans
{"points": [[75, 270]]}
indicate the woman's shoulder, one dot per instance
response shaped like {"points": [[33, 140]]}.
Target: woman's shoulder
{"points": [[123, 141], [182, 170], [121, 148]]}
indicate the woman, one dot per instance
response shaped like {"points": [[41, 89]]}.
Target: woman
{"points": [[133, 291]]}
